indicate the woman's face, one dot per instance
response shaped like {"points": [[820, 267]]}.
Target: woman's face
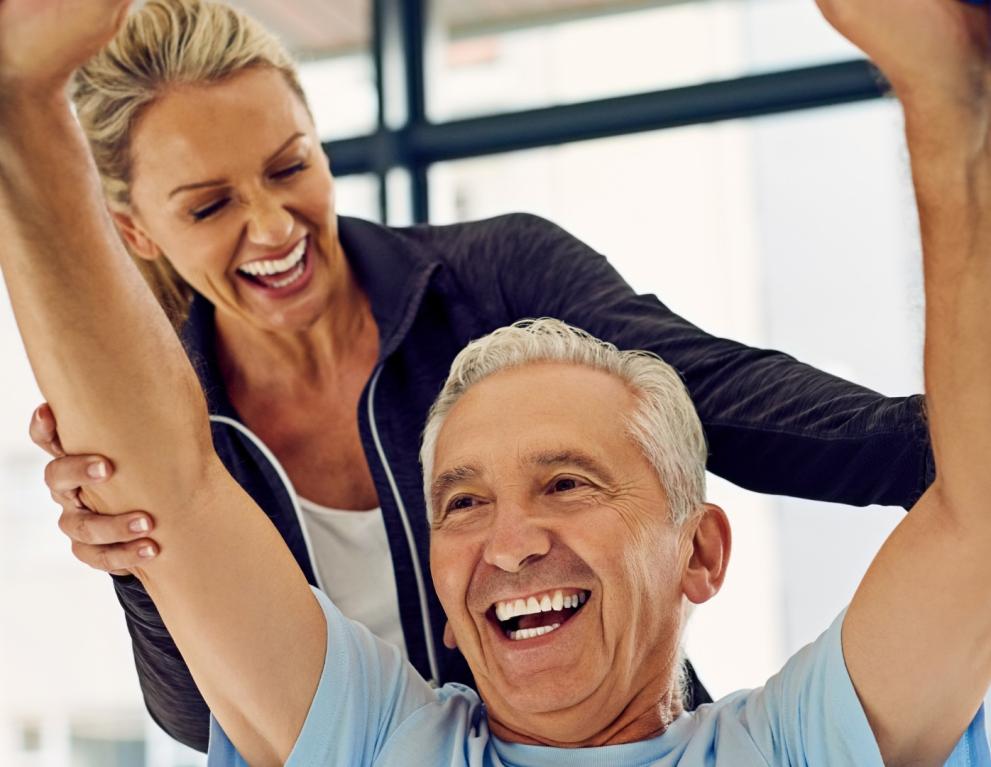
{"points": [[231, 186]]}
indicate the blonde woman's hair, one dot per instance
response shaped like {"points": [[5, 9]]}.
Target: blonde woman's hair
{"points": [[166, 42]]}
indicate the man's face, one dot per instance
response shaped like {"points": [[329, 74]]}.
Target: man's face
{"points": [[543, 500]]}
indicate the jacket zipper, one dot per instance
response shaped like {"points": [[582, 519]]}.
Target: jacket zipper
{"points": [[428, 635], [287, 483]]}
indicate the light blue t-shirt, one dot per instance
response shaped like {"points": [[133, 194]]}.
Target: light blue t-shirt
{"points": [[372, 707]]}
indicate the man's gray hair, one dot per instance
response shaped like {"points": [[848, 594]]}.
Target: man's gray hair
{"points": [[665, 425]]}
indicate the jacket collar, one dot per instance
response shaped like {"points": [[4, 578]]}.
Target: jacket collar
{"points": [[391, 266]]}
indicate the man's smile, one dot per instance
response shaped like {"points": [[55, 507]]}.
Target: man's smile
{"points": [[529, 617]]}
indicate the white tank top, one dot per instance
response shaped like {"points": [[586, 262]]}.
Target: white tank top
{"points": [[351, 553]]}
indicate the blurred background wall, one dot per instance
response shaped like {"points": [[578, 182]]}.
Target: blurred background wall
{"points": [[762, 219]]}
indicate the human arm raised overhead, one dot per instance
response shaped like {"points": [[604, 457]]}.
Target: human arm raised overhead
{"points": [[109, 363], [917, 636]]}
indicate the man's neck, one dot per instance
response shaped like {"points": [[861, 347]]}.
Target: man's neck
{"points": [[647, 715]]}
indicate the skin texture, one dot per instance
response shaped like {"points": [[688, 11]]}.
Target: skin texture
{"points": [[926, 589], [550, 492]]}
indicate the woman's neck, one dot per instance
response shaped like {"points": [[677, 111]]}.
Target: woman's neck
{"points": [[311, 359]]}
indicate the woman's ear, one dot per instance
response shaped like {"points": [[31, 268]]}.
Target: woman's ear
{"points": [[711, 543], [130, 230]]}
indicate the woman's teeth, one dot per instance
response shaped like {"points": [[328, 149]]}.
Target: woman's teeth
{"points": [[268, 268]]}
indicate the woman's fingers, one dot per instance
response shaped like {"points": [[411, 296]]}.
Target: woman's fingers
{"points": [[87, 528], [113, 544], [44, 431], [72, 473], [117, 558]]}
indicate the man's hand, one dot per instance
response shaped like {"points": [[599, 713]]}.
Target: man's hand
{"points": [[109, 543], [43, 41], [935, 53]]}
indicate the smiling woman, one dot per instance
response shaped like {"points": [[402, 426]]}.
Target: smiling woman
{"points": [[321, 341], [246, 219]]}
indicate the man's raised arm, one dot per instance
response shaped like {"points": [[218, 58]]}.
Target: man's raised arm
{"points": [[917, 637], [107, 360]]}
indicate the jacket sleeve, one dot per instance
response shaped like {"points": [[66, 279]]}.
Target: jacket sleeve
{"points": [[773, 424], [170, 694]]}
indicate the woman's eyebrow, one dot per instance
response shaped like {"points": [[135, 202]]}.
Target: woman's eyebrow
{"points": [[220, 182]]}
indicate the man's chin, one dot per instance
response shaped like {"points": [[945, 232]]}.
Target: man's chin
{"points": [[553, 693]]}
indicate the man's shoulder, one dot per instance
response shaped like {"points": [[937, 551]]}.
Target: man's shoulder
{"points": [[807, 713]]}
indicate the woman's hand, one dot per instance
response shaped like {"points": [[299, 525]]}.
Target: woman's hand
{"points": [[109, 543], [935, 53], [43, 41]]}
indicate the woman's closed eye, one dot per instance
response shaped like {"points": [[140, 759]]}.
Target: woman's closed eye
{"points": [[200, 214], [292, 170], [205, 212]]}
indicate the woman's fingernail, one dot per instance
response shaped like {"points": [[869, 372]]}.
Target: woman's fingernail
{"points": [[139, 525], [146, 552], [97, 470], [37, 415]]}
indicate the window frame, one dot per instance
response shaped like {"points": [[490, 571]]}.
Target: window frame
{"points": [[405, 139]]}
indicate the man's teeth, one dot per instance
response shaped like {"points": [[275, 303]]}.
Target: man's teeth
{"points": [[531, 633], [276, 266], [544, 603]]}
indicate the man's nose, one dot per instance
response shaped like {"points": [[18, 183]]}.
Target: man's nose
{"points": [[516, 538], [269, 223]]}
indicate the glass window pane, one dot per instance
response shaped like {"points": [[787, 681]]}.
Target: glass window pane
{"points": [[332, 41], [358, 196], [795, 232], [490, 57]]}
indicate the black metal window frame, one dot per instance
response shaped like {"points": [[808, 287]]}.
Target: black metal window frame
{"points": [[406, 139]]}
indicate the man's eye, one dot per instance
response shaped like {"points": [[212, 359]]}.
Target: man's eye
{"points": [[203, 213], [460, 502], [292, 170], [564, 484]]}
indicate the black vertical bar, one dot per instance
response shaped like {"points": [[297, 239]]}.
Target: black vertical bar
{"points": [[414, 41], [378, 11]]}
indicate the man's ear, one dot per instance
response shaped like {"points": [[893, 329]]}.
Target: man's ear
{"points": [[711, 543], [449, 641], [140, 243]]}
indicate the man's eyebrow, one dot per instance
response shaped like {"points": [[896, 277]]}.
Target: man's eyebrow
{"points": [[569, 457], [451, 477], [220, 182]]}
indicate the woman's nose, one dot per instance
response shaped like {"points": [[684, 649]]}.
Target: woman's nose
{"points": [[515, 539], [269, 223]]}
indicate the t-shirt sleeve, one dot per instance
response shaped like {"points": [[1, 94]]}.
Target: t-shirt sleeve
{"points": [[366, 691], [809, 715]]}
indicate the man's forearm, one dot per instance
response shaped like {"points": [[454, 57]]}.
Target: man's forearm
{"points": [[117, 377], [952, 176]]}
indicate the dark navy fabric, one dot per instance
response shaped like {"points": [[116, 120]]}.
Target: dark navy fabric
{"points": [[773, 424]]}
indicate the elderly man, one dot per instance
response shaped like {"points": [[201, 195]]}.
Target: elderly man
{"points": [[564, 481]]}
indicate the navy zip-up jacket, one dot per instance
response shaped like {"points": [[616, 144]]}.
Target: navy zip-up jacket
{"points": [[773, 424]]}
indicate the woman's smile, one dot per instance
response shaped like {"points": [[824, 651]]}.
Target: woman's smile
{"points": [[282, 276]]}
